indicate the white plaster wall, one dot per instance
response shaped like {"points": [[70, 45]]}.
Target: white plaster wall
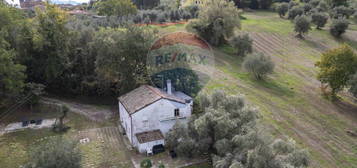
{"points": [[159, 115], [142, 147], [125, 120]]}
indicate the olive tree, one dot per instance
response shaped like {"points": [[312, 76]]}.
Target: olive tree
{"points": [[228, 131], [292, 4], [258, 65], [282, 9], [115, 7], [336, 67], [216, 21], [314, 3], [319, 19], [55, 152], [338, 27], [242, 43], [302, 25], [342, 11], [295, 11]]}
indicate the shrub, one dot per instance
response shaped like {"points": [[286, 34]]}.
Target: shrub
{"points": [[152, 14], [302, 25], [295, 11], [265, 4], [322, 7], [314, 3], [216, 22], [116, 8], [161, 18], [307, 8], [193, 10], [319, 19], [147, 20], [55, 152], [242, 43], [282, 9], [292, 4], [146, 163], [161, 165], [336, 67], [186, 15], [175, 15], [338, 27], [138, 18], [258, 65], [341, 11], [355, 17]]}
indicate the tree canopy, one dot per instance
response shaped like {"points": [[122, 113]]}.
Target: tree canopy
{"points": [[336, 67], [228, 130], [258, 65], [12, 75], [216, 21], [121, 56], [115, 7], [51, 45]]}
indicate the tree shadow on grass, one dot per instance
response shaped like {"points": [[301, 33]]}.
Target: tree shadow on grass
{"points": [[275, 87], [346, 108]]}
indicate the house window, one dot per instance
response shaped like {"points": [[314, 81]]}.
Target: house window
{"points": [[146, 123], [177, 112]]}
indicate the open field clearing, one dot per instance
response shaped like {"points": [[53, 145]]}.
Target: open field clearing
{"points": [[290, 100], [104, 146]]}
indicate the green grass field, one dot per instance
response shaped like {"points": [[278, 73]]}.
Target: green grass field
{"points": [[290, 100]]}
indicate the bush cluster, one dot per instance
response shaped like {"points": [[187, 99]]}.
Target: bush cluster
{"points": [[338, 27], [161, 15], [258, 65], [318, 12]]}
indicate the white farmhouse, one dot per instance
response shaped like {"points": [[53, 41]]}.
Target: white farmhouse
{"points": [[148, 113]]}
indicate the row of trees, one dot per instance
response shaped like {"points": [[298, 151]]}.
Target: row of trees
{"points": [[317, 12], [254, 4], [227, 130], [166, 11], [257, 64], [70, 55]]}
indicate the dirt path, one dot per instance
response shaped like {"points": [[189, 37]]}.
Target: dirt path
{"points": [[94, 113]]}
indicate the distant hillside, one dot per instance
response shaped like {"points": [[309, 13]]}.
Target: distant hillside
{"points": [[72, 2]]}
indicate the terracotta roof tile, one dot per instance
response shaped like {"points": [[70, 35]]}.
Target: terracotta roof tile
{"points": [[149, 136], [144, 96]]}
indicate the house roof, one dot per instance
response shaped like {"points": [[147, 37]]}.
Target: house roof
{"points": [[149, 136], [144, 96]]}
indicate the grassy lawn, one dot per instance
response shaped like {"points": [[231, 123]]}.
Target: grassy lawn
{"points": [[290, 99], [14, 146]]}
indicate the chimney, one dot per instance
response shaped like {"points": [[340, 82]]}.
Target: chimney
{"points": [[169, 87]]}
